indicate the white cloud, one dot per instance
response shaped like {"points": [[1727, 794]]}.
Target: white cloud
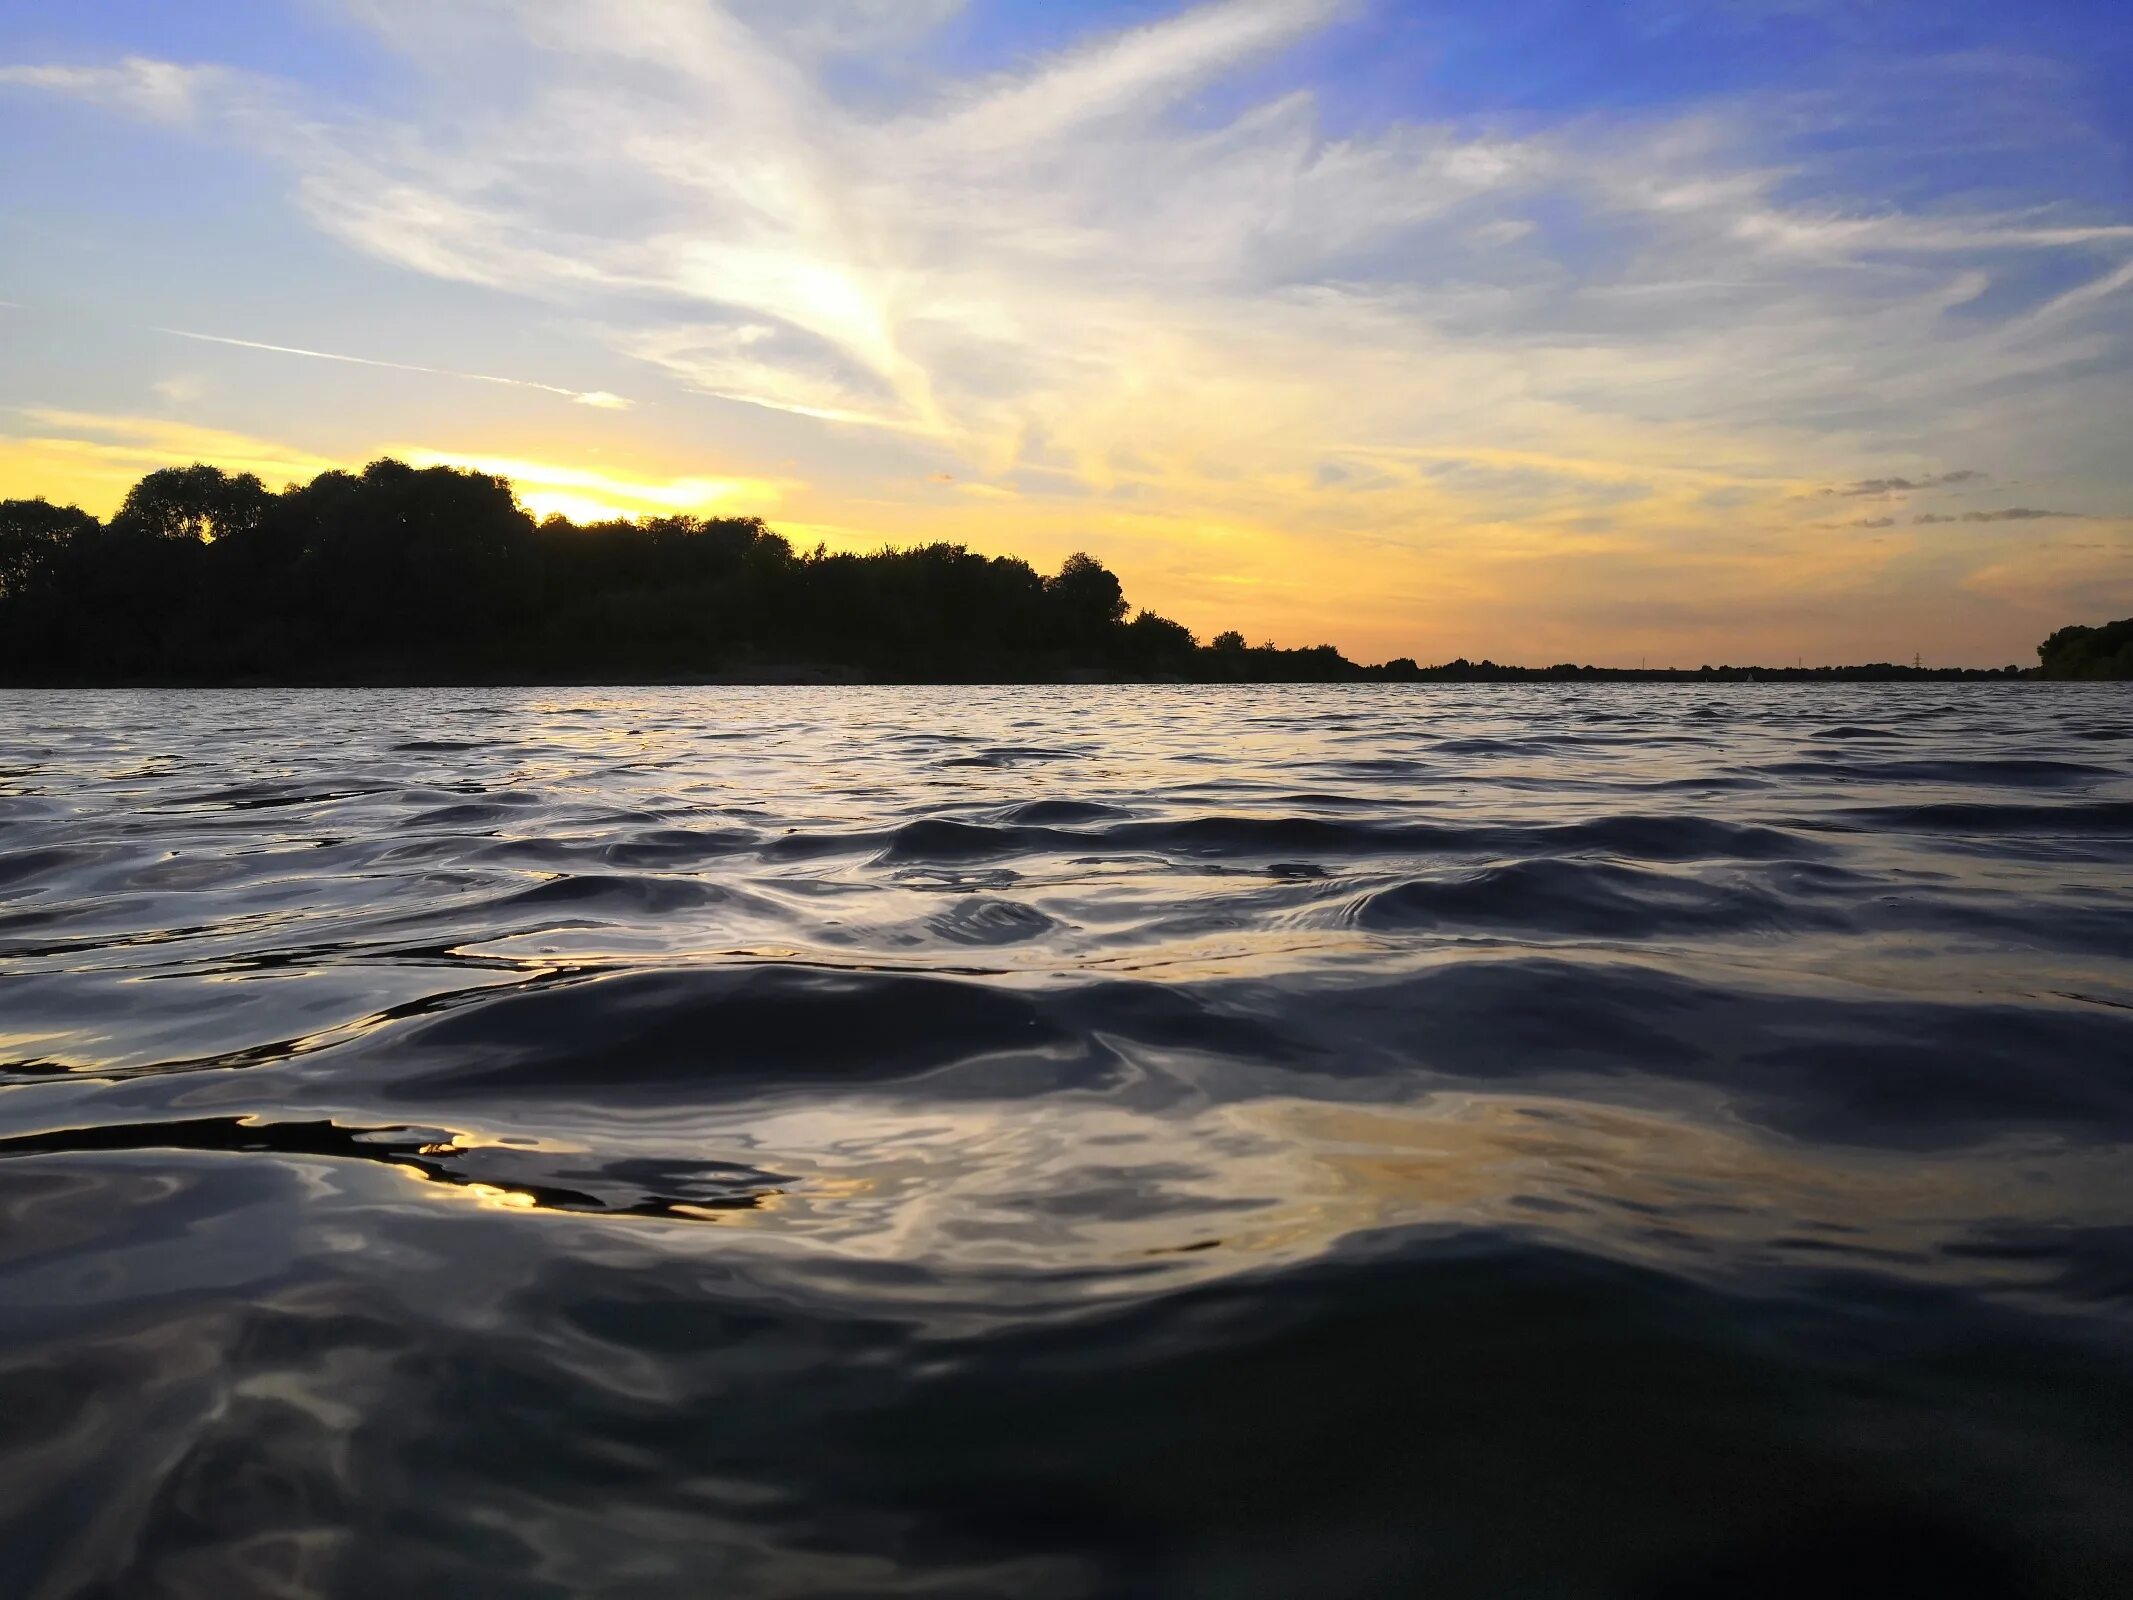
{"points": [[1130, 75], [163, 90]]}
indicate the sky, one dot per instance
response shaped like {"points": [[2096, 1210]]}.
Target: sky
{"points": [[1748, 330]]}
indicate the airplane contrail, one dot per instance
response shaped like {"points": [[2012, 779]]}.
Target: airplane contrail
{"points": [[593, 397]]}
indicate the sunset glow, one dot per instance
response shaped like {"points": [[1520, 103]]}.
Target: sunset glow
{"points": [[1743, 333]]}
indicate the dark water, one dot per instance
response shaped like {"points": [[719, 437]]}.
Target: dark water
{"points": [[1067, 1142]]}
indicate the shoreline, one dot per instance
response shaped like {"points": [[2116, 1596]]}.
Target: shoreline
{"points": [[776, 680]]}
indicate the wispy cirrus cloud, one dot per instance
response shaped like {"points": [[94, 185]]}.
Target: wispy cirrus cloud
{"points": [[166, 91]]}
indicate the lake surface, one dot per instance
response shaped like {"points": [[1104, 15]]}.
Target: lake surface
{"points": [[1543, 1141]]}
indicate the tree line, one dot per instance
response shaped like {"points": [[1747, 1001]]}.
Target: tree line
{"points": [[2105, 652], [400, 574]]}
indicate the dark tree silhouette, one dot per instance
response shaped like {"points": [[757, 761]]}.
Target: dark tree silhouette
{"points": [[198, 503], [1154, 645], [34, 535], [2105, 652], [399, 574], [1087, 600], [399, 563]]}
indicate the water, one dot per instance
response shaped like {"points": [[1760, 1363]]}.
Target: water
{"points": [[1550, 1141]]}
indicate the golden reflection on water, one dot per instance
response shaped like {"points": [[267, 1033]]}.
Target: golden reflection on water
{"points": [[1080, 1187], [1638, 1180]]}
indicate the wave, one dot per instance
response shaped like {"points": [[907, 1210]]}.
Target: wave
{"points": [[1587, 898], [1866, 1070], [2008, 771], [2086, 817], [1843, 1070], [1655, 838], [1010, 756], [617, 895], [22, 870], [663, 1033], [494, 808], [678, 847], [1061, 813]]}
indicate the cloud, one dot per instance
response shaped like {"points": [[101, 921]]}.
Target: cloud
{"points": [[1505, 230], [163, 91], [2011, 514], [1875, 522], [1881, 486], [779, 369], [2082, 296], [1129, 75], [1849, 235], [844, 28], [598, 398]]}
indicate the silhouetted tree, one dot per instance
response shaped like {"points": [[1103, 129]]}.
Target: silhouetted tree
{"points": [[1087, 600], [34, 536], [199, 503], [400, 562], [1156, 644], [2105, 652]]}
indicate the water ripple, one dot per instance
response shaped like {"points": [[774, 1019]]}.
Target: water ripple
{"points": [[1573, 1140]]}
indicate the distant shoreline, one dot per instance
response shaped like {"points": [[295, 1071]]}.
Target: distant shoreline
{"points": [[398, 577], [828, 677]]}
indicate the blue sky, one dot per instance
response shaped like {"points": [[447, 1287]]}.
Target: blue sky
{"points": [[1535, 329]]}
